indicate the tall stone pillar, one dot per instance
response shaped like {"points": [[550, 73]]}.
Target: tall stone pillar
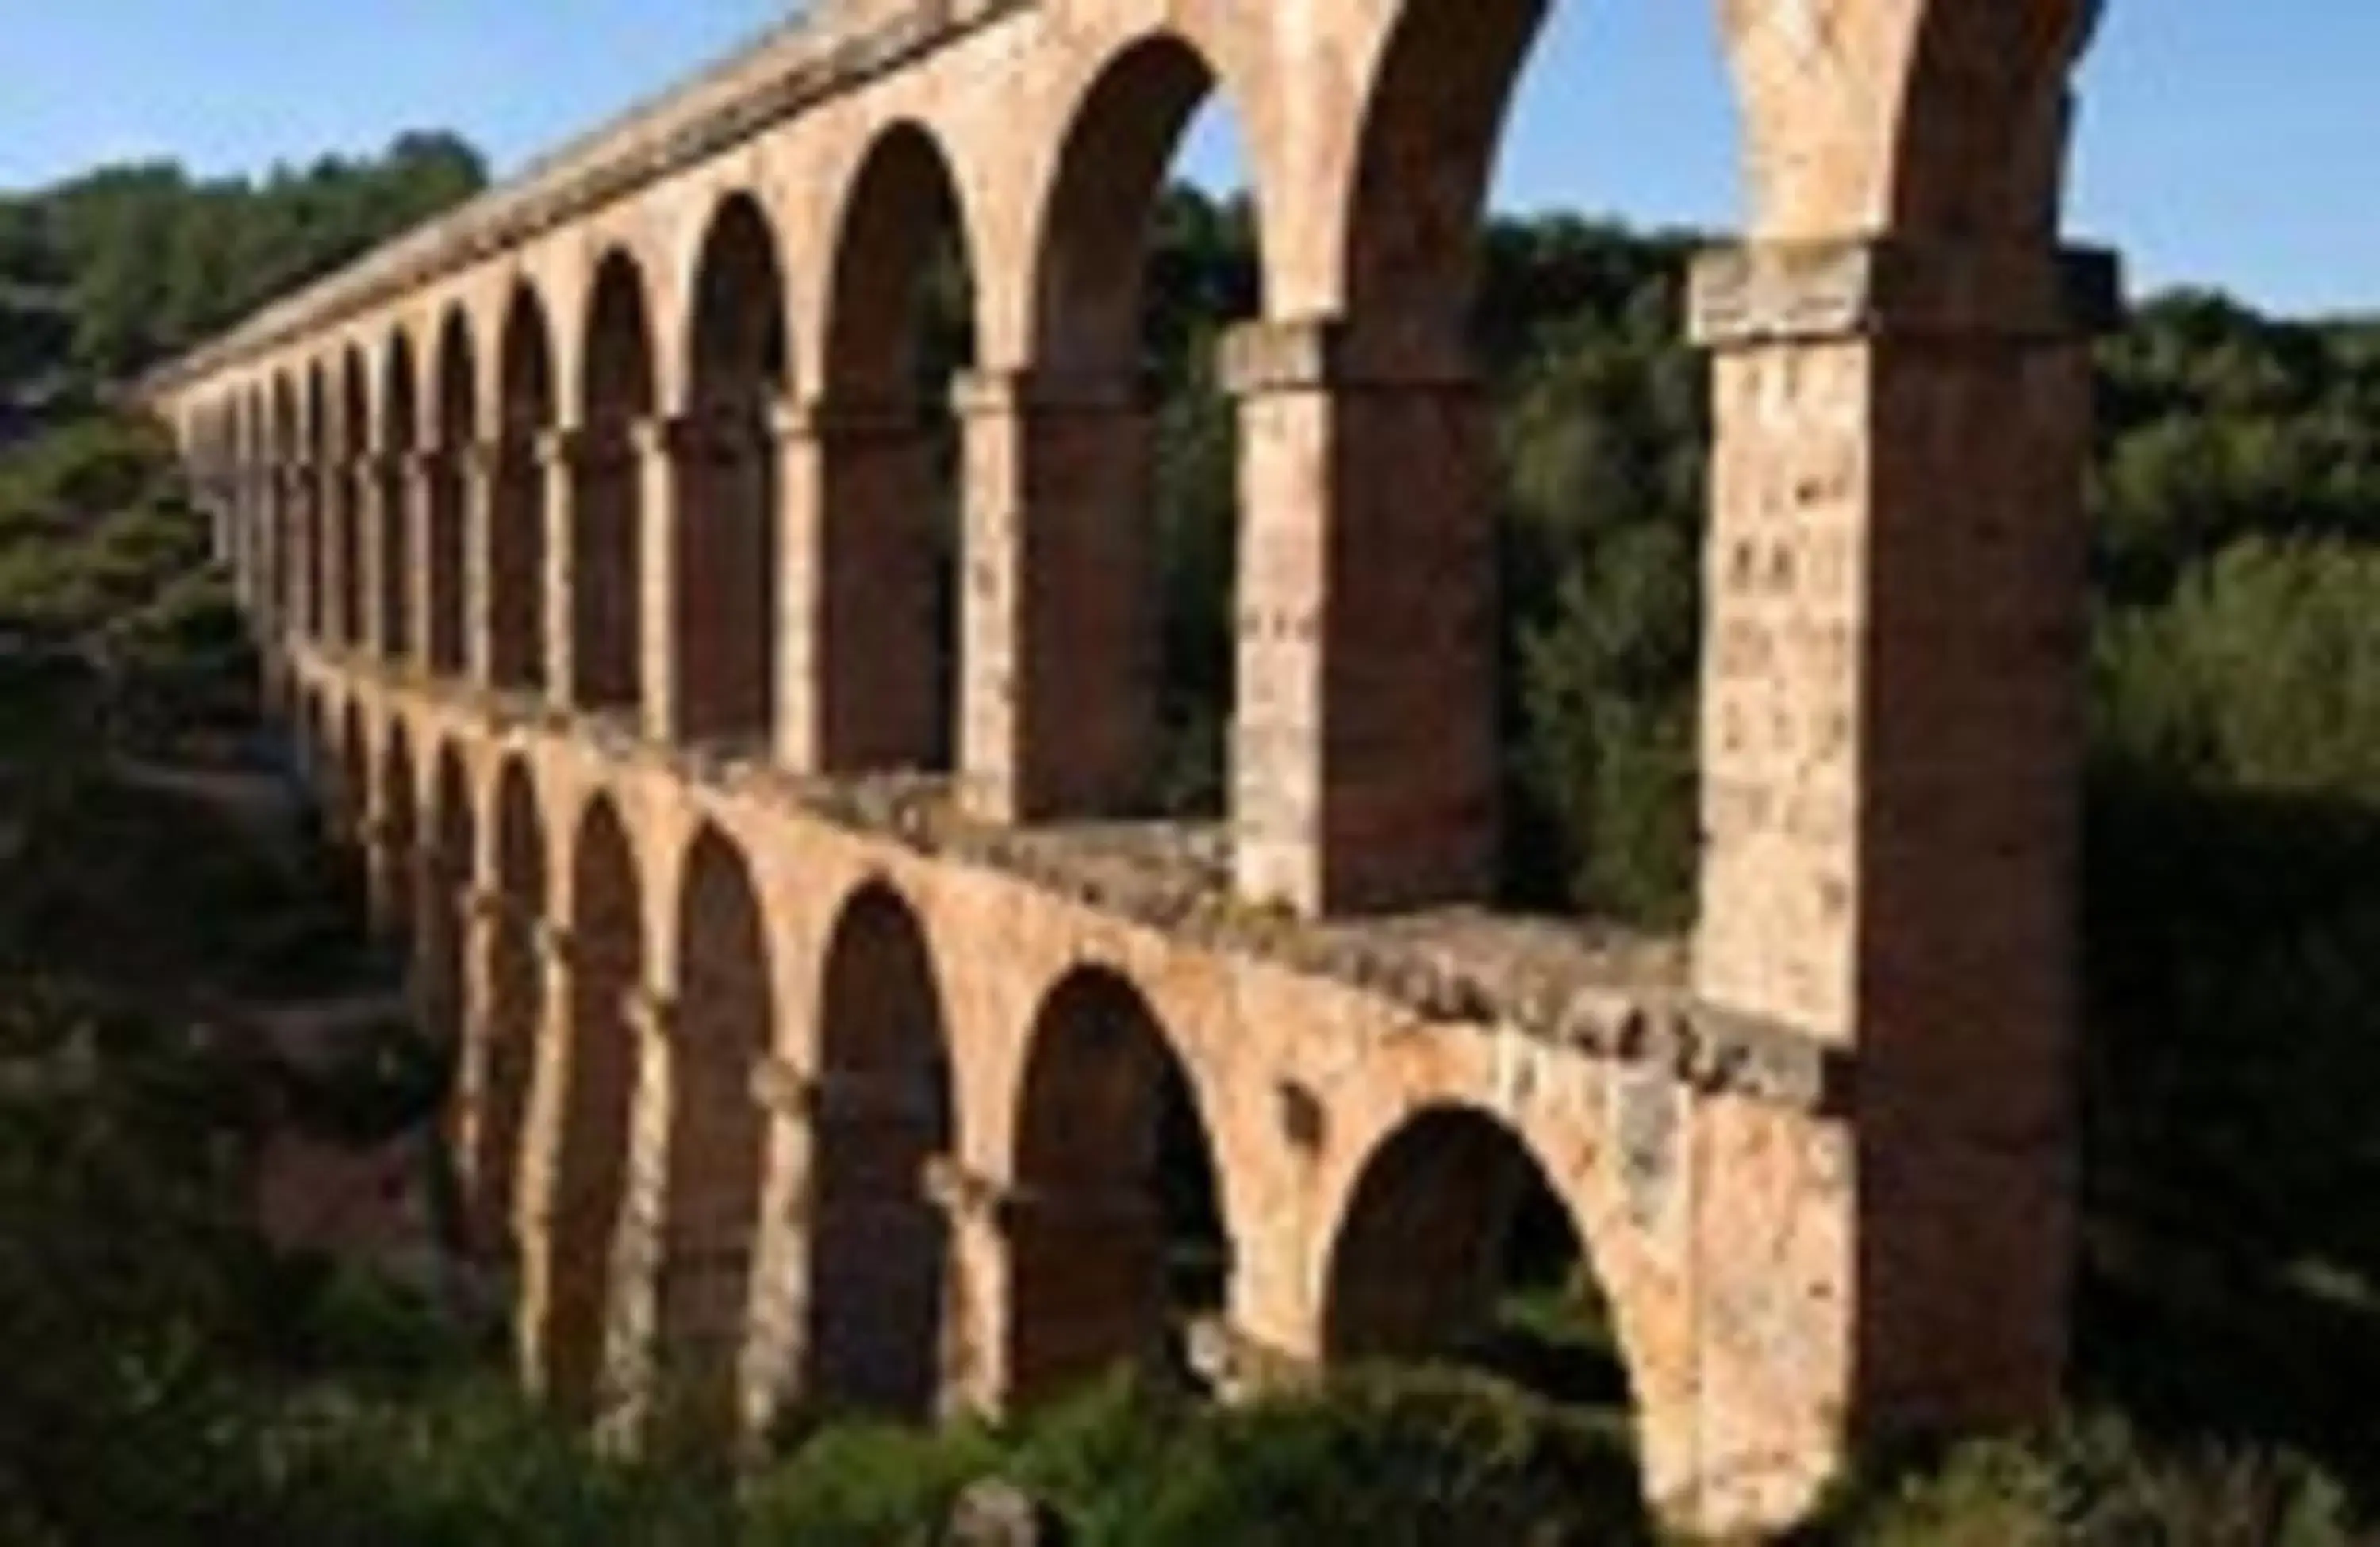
{"points": [[536, 1199], [634, 1376], [1891, 749], [663, 449], [393, 550], [418, 478], [858, 671], [330, 575], [1363, 748], [1057, 697], [555, 455], [480, 467]]}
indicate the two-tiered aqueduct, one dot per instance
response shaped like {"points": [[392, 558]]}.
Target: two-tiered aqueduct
{"points": [[586, 531]]}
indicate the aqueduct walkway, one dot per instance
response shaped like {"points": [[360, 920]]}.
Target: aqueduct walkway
{"points": [[827, 1034]]}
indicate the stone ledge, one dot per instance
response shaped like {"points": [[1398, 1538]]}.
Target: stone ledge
{"points": [[1575, 984], [834, 47], [1872, 287]]}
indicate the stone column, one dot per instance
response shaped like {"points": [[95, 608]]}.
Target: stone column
{"points": [[537, 1185], [1363, 749], [418, 479], [631, 1363], [1892, 749], [857, 673], [1058, 695], [372, 620], [329, 569], [553, 453], [394, 557], [662, 448], [481, 466]]}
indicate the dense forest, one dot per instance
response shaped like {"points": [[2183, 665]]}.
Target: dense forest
{"points": [[177, 1380]]}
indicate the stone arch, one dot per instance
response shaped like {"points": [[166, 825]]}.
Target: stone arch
{"points": [[400, 423], [517, 528], [1105, 676], [887, 646], [456, 416], [314, 543], [506, 1024], [395, 846], [718, 1136], [616, 392], [282, 518], [354, 446], [882, 1113], [1450, 1216], [1116, 1235], [723, 593], [599, 1066], [1425, 151]]}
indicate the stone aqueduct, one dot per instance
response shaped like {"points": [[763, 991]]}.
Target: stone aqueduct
{"points": [[587, 533]]}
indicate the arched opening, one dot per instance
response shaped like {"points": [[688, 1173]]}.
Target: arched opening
{"points": [[507, 1024], [607, 974], [1117, 1240], [396, 840], [449, 883], [281, 512], [354, 446], [1125, 695], [718, 1140], [607, 506], [449, 470], [517, 528], [313, 516], [879, 1245], [900, 325], [723, 595], [1456, 1249], [1552, 479], [400, 421]]}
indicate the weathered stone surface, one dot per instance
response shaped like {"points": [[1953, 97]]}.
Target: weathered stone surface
{"points": [[586, 531]]}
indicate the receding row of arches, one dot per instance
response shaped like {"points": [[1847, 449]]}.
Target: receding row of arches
{"points": [[1113, 1220], [909, 558]]}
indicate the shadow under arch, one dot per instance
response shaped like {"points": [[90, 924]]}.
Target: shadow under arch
{"points": [[400, 425], [616, 393], [599, 1067], [457, 413], [723, 595], [899, 323], [355, 447], [718, 1140], [1125, 668], [1117, 1237], [448, 881], [880, 1243], [1455, 1248], [516, 536]]}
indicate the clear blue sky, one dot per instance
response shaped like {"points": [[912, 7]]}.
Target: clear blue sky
{"points": [[2223, 140]]}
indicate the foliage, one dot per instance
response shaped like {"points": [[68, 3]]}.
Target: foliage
{"points": [[129, 264]]}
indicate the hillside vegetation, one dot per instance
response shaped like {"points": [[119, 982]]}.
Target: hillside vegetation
{"points": [[174, 1378]]}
